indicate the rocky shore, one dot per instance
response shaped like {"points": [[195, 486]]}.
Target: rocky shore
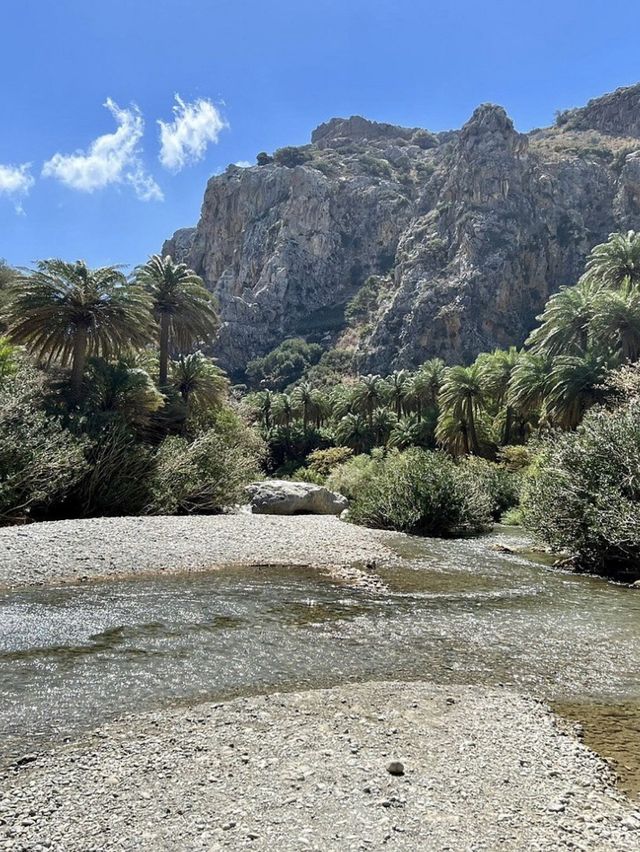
{"points": [[68, 551], [482, 770]]}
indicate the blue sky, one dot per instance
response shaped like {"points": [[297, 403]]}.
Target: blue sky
{"points": [[270, 72]]}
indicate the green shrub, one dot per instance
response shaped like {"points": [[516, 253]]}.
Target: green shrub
{"points": [[324, 462], [424, 493], [283, 365], [582, 495], [512, 517], [205, 475], [305, 474], [501, 485], [118, 474], [40, 460], [291, 157], [352, 477]]}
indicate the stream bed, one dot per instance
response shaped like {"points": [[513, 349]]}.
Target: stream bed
{"points": [[453, 612]]}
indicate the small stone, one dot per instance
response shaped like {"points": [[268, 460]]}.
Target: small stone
{"points": [[395, 768]]}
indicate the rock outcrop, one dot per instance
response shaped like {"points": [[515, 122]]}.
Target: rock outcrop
{"points": [[281, 497], [469, 231]]}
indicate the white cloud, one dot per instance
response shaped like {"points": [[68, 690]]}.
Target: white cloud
{"points": [[114, 158], [184, 140], [243, 164], [16, 181]]}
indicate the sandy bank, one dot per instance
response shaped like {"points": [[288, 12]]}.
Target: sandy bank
{"points": [[109, 547], [484, 770]]}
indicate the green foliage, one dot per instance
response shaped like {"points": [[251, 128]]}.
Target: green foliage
{"points": [[263, 159], [40, 460], [203, 476], [185, 310], [8, 359], [422, 493], [119, 468], [512, 517], [65, 312], [306, 474], [351, 477], [324, 462], [283, 365], [424, 139], [583, 493], [375, 166], [291, 157], [118, 390], [365, 302], [501, 485]]}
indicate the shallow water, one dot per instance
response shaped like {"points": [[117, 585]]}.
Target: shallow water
{"points": [[454, 612]]}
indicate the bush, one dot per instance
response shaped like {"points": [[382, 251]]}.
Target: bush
{"points": [[512, 518], [203, 476], [305, 474], [501, 485], [283, 365], [324, 462], [582, 495], [118, 475], [424, 493], [40, 460], [263, 159], [353, 476], [291, 157]]}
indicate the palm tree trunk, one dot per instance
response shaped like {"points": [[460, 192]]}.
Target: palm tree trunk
{"points": [[473, 435], [78, 362], [164, 350], [508, 421], [465, 437]]}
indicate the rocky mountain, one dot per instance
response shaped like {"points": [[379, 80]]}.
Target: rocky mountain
{"points": [[466, 233]]}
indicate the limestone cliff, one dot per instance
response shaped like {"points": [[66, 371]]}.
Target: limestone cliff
{"points": [[471, 229]]}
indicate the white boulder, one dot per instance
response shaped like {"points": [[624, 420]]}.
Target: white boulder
{"points": [[281, 497]]}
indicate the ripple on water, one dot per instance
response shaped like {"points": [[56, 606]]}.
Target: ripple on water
{"points": [[453, 611]]}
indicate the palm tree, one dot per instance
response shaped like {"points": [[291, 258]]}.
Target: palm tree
{"points": [[283, 410], [368, 394], [383, 421], [462, 396], [575, 384], [121, 389], [67, 312], [198, 379], [320, 407], [530, 383], [303, 398], [352, 431], [566, 319], [616, 323], [496, 370], [424, 386], [265, 404], [342, 402], [406, 433], [184, 308], [617, 261], [398, 385]]}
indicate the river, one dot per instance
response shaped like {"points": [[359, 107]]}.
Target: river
{"points": [[454, 612]]}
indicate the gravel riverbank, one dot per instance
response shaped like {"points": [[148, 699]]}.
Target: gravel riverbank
{"points": [[483, 770], [67, 551]]}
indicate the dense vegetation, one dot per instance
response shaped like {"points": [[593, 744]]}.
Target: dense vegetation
{"points": [[108, 405]]}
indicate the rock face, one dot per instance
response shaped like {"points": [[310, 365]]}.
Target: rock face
{"points": [[280, 497], [470, 231]]}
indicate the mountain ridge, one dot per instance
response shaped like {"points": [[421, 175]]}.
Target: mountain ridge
{"points": [[460, 236]]}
